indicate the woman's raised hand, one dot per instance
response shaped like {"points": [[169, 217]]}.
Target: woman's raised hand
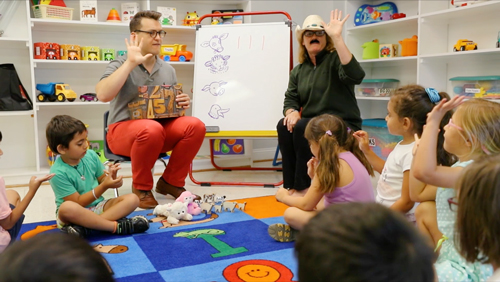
{"points": [[334, 27]]}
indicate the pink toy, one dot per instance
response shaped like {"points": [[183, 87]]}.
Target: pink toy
{"points": [[192, 207]]}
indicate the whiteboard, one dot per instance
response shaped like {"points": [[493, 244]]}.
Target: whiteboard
{"points": [[241, 74]]}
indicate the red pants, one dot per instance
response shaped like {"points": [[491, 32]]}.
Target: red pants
{"points": [[143, 141]]}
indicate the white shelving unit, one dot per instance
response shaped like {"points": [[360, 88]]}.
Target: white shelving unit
{"points": [[438, 25]]}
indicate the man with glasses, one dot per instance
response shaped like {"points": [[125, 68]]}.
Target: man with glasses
{"points": [[143, 140], [323, 83]]}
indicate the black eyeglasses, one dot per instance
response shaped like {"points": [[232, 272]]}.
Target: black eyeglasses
{"points": [[309, 33], [153, 33], [453, 204]]}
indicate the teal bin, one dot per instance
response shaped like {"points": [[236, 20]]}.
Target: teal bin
{"points": [[381, 141]]}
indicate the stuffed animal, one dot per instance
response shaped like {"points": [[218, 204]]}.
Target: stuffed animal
{"points": [[192, 207], [173, 212]]}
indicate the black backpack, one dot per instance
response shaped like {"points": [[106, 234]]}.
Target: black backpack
{"points": [[13, 95]]}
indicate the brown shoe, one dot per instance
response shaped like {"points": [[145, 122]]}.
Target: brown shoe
{"points": [[146, 199], [165, 188]]}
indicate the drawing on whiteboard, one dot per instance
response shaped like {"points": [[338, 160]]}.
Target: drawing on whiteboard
{"points": [[216, 111], [218, 64], [215, 88], [215, 42]]}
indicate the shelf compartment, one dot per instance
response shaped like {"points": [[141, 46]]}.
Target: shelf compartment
{"points": [[15, 113], [475, 11], [92, 27], [9, 42], [486, 55], [68, 64], [400, 24], [69, 104]]}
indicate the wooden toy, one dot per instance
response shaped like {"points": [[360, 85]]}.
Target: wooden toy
{"points": [[46, 50], [90, 53], [175, 52], [113, 16], [367, 14], [388, 50], [190, 19], [156, 101], [370, 50], [70, 52], [53, 91], [409, 46], [107, 54]]}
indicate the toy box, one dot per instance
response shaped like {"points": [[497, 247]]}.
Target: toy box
{"points": [[381, 141], [156, 101], [90, 53], [388, 50], [376, 87], [227, 19], [107, 54], [52, 12], [487, 87], [168, 15], [70, 52], [88, 10], [129, 10], [46, 50]]}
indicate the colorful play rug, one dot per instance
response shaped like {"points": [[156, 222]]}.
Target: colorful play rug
{"points": [[222, 246]]}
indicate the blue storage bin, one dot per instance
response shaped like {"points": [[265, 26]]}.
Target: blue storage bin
{"points": [[381, 141]]}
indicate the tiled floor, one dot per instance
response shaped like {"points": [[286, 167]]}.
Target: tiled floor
{"points": [[42, 207]]}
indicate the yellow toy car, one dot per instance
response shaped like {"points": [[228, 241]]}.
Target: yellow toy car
{"points": [[464, 45]]}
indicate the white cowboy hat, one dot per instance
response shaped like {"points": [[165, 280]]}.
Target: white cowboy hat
{"points": [[312, 22]]}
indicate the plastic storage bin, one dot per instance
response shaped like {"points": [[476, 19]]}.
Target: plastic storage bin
{"points": [[52, 12], [487, 87], [376, 87], [381, 141]]}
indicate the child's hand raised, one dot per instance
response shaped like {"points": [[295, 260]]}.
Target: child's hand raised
{"points": [[362, 137], [109, 182], [438, 112], [312, 164], [35, 182]]}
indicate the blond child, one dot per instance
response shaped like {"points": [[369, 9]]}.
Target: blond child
{"points": [[339, 173], [477, 205], [472, 133]]}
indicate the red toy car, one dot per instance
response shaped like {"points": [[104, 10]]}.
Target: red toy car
{"points": [[398, 16]]}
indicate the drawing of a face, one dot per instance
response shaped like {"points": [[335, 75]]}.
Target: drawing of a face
{"points": [[253, 272], [257, 270]]}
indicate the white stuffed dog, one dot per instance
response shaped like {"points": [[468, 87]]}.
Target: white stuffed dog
{"points": [[173, 212]]}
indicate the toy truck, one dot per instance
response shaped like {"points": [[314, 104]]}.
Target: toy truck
{"points": [[175, 52], [55, 91]]}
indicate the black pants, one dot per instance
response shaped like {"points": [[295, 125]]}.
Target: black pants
{"points": [[295, 153]]}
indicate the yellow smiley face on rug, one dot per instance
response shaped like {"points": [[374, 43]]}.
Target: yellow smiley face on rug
{"points": [[258, 272]]}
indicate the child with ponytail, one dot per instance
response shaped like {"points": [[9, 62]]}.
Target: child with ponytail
{"points": [[339, 173]]}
